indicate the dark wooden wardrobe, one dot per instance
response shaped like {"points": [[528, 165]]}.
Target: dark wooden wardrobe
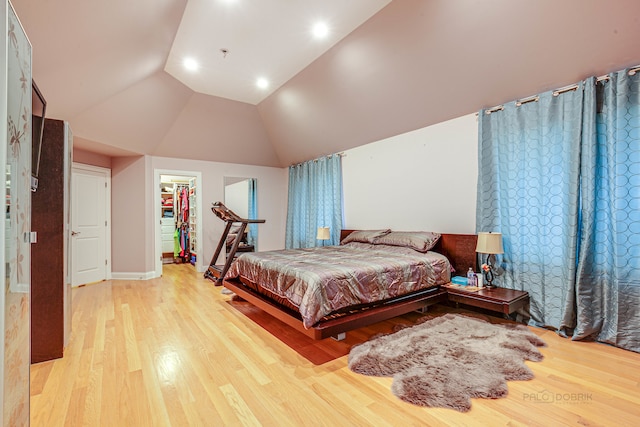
{"points": [[50, 219]]}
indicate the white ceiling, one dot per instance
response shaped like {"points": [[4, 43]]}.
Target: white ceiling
{"points": [[112, 68], [269, 39]]}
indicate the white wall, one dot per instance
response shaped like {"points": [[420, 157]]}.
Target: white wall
{"points": [[420, 180]]}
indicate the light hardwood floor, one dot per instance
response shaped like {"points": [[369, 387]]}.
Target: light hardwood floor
{"points": [[175, 351]]}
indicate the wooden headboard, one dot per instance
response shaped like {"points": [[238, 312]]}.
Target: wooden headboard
{"points": [[460, 249]]}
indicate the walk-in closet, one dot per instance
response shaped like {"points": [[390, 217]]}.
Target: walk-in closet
{"points": [[178, 219]]}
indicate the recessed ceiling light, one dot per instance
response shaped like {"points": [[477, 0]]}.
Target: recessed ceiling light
{"points": [[320, 30], [262, 83], [190, 64]]}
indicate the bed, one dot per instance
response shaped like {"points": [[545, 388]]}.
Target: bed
{"points": [[326, 291]]}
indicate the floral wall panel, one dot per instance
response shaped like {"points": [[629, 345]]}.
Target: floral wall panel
{"points": [[17, 225]]}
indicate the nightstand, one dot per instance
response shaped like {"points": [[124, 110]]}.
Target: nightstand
{"points": [[503, 300]]}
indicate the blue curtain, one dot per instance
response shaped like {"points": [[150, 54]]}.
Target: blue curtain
{"points": [[608, 277], [560, 178], [527, 189], [252, 235], [315, 200]]}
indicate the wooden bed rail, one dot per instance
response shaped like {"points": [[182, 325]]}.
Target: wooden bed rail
{"points": [[335, 326]]}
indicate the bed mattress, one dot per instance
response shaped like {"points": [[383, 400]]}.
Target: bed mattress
{"points": [[324, 280]]}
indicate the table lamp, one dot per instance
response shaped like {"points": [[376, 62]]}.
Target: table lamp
{"points": [[491, 244], [323, 234]]}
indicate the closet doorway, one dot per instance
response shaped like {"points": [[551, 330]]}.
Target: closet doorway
{"points": [[178, 209]]}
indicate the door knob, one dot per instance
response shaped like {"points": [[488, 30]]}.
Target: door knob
{"points": [[75, 233]]}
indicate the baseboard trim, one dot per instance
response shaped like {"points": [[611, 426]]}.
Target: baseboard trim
{"points": [[132, 275]]}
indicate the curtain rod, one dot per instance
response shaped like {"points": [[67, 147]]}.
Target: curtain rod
{"points": [[534, 98], [328, 156]]}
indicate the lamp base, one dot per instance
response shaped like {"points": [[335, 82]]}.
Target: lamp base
{"points": [[488, 275]]}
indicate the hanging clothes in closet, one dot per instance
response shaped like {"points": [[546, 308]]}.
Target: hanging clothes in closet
{"points": [[182, 248], [184, 199], [184, 241]]}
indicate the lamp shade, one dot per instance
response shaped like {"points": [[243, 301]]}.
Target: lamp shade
{"points": [[489, 243], [323, 233]]}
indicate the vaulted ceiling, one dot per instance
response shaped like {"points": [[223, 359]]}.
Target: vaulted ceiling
{"points": [[112, 68]]}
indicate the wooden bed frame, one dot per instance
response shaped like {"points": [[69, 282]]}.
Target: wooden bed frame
{"points": [[458, 248]]}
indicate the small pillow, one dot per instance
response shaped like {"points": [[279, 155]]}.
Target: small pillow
{"points": [[421, 241], [364, 236]]}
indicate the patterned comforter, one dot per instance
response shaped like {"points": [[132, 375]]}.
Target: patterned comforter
{"points": [[320, 281]]}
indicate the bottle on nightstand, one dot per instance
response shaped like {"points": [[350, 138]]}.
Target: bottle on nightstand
{"points": [[471, 278]]}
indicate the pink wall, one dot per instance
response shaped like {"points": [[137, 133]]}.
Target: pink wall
{"points": [[272, 184], [232, 130], [89, 158], [129, 215], [133, 208]]}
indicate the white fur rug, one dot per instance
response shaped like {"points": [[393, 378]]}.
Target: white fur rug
{"points": [[447, 360]]}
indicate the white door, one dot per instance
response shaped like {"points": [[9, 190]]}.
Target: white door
{"points": [[90, 198]]}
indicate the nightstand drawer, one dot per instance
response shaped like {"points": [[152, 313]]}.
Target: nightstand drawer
{"points": [[502, 300]]}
